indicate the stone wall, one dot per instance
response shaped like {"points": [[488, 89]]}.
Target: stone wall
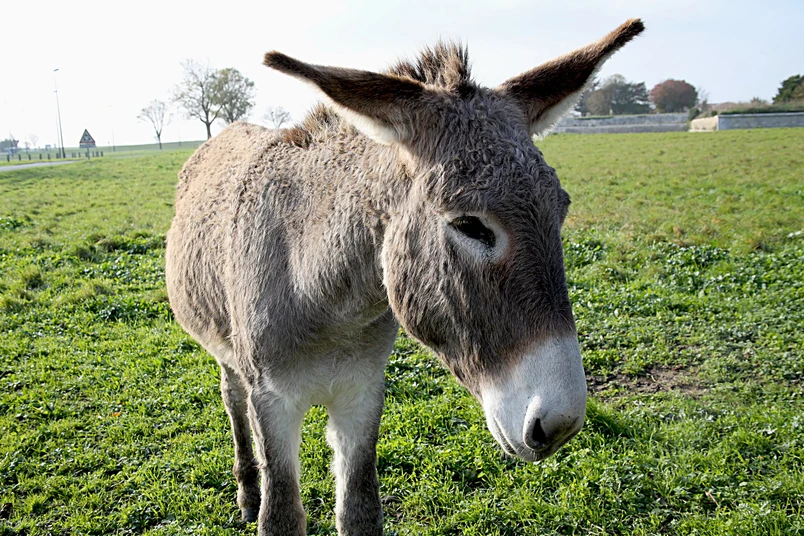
{"points": [[624, 123], [774, 120], [739, 121]]}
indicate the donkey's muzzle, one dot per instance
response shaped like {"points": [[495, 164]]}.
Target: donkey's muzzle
{"points": [[540, 403], [544, 435]]}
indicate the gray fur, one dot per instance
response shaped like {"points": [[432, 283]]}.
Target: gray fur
{"points": [[295, 255]]}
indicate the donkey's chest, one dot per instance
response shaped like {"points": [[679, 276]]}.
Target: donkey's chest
{"points": [[326, 369], [321, 382]]}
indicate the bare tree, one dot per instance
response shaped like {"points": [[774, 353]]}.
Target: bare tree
{"points": [[157, 113], [234, 93], [703, 99], [196, 93], [277, 116], [34, 140]]}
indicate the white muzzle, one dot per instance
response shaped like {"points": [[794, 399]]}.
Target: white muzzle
{"points": [[539, 404]]}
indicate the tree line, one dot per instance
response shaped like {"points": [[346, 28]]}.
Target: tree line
{"points": [[617, 96], [208, 95]]}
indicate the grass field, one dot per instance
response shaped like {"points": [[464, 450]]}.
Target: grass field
{"points": [[685, 258]]}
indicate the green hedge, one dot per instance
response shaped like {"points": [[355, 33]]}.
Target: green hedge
{"points": [[776, 108]]}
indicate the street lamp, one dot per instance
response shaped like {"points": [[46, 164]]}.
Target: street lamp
{"points": [[58, 111]]}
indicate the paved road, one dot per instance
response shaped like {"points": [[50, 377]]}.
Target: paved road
{"points": [[37, 164]]}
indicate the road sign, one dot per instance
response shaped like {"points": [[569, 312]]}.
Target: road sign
{"points": [[87, 141]]}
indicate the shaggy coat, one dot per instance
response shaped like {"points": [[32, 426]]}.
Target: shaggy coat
{"points": [[412, 197]]}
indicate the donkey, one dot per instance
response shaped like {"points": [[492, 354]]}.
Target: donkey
{"points": [[415, 198]]}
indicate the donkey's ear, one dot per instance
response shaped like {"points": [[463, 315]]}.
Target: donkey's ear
{"points": [[380, 106], [550, 90]]}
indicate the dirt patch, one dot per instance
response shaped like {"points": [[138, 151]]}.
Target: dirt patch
{"points": [[657, 379]]}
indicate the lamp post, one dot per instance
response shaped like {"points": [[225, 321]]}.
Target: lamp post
{"points": [[58, 112]]}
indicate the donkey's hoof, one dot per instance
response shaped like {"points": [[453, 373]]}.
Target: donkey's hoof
{"points": [[248, 499], [249, 514]]}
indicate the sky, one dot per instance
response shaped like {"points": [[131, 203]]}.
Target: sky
{"points": [[113, 58]]}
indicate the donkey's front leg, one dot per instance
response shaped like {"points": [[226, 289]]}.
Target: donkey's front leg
{"points": [[354, 422], [276, 425]]}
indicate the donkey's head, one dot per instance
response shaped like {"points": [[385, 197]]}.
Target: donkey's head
{"points": [[472, 257]]}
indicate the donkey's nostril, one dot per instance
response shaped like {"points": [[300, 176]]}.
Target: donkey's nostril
{"points": [[536, 438]]}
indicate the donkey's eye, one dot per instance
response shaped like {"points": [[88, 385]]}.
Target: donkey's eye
{"points": [[474, 229]]}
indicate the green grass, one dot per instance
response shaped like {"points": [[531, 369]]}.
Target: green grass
{"points": [[685, 265]]}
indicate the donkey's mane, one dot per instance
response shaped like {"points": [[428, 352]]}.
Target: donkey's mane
{"points": [[444, 65]]}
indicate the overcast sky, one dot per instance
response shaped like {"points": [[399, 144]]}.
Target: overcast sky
{"points": [[113, 60]]}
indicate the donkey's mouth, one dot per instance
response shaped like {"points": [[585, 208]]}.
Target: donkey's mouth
{"points": [[546, 452], [522, 451], [498, 434]]}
